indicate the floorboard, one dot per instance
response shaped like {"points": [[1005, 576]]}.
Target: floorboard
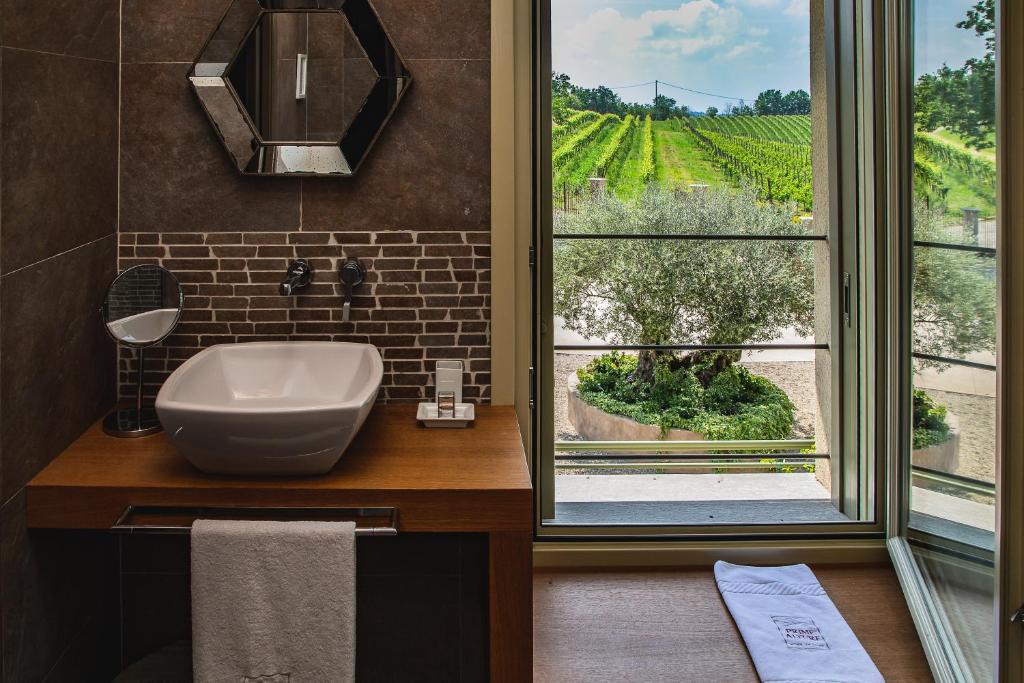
{"points": [[651, 626]]}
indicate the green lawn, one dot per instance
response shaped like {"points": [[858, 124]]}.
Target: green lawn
{"points": [[955, 140], [964, 191], [681, 161], [965, 194]]}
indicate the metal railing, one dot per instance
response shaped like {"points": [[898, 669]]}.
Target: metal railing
{"points": [[954, 480], [741, 454], [768, 454], [748, 449]]}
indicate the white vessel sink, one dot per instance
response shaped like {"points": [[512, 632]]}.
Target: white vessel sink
{"points": [[270, 408]]}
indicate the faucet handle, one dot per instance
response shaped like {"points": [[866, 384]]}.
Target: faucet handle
{"points": [[299, 267], [299, 275], [351, 273]]}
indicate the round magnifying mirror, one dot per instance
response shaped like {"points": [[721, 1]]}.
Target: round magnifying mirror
{"points": [[142, 307]]}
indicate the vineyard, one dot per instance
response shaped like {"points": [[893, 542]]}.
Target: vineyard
{"points": [[771, 154], [794, 130], [780, 171]]}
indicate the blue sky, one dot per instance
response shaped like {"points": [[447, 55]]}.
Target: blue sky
{"points": [[735, 48], [938, 40]]}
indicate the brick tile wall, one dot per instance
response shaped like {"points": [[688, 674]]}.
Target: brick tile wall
{"points": [[426, 297]]}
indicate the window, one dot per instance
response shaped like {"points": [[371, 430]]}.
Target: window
{"points": [[703, 287], [949, 228]]}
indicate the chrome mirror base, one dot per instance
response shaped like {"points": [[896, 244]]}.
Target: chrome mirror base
{"points": [[130, 423]]}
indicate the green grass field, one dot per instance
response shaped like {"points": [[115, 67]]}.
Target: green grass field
{"points": [[680, 160], [769, 153]]}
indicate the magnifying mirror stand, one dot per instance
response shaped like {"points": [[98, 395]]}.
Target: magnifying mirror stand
{"points": [[134, 421]]}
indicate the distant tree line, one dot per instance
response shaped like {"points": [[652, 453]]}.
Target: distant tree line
{"points": [[567, 96]]}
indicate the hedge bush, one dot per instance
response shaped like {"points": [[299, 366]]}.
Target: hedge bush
{"points": [[930, 426], [736, 404]]}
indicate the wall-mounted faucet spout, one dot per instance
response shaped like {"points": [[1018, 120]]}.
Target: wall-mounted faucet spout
{"points": [[351, 273], [299, 275]]}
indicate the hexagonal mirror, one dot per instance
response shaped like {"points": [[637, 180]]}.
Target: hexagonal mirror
{"points": [[299, 87]]}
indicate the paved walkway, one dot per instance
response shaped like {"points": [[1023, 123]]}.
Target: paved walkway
{"points": [[609, 488], [644, 489]]}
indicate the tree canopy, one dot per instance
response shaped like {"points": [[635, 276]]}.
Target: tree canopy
{"points": [[954, 311], [773, 102], [963, 99], [665, 291]]}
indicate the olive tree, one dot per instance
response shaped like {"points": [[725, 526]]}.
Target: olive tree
{"points": [[954, 307], [690, 291]]}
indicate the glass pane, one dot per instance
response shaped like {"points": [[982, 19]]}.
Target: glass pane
{"points": [[683, 215], [953, 331], [769, 394]]}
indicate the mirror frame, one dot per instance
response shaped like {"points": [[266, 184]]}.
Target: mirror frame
{"points": [[170, 330], [250, 152]]}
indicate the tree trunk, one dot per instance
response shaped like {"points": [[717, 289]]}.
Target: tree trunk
{"points": [[712, 362], [644, 373]]}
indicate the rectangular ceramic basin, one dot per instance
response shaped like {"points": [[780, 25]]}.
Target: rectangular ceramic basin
{"points": [[270, 408]]}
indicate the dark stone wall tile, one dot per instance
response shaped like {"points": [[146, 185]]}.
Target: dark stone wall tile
{"points": [[438, 29], [168, 30], [59, 159], [55, 585], [176, 176], [430, 169], [64, 27], [56, 361]]}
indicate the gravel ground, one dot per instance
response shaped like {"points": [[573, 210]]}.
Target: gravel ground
{"points": [[975, 415]]}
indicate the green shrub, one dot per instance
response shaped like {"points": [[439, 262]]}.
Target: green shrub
{"points": [[735, 405], [930, 426]]}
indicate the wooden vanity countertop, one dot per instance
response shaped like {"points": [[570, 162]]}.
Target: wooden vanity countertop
{"points": [[473, 479]]}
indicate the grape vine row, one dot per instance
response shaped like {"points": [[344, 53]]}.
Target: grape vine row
{"points": [[779, 171], [648, 165]]}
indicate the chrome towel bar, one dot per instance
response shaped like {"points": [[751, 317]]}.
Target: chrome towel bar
{"points": [[178, 520]]}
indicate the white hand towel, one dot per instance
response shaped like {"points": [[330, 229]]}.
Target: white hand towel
{"points": [[273, 602], [793, 631]]}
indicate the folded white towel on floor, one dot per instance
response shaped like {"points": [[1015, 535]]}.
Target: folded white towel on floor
{"points": [[273, 602], [793, 631]]}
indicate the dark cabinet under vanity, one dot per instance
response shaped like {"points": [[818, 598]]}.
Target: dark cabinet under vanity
{"points": [[449, 598], [421, 605]]}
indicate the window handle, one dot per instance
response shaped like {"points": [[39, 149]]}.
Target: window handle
{"points": [[846, 299]]}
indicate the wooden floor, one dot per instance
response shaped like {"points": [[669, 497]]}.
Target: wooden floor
{"points": [[650, 626]]}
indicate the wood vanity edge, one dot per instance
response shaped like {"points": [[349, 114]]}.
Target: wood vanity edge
{"points": [[73, 492]]}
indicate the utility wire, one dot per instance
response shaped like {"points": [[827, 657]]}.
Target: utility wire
{"points": [[709, 94], [679, 87], [626, 87]]}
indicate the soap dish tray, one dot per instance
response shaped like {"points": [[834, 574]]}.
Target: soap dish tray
{"points": [[427, 414]]}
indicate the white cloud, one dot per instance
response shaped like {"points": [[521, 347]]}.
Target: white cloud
{"points": [[695, 27], [798, 8], [723, 46], [748, 47]]}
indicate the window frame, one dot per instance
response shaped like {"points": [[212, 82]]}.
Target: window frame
{"points": [[854, 210]]}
